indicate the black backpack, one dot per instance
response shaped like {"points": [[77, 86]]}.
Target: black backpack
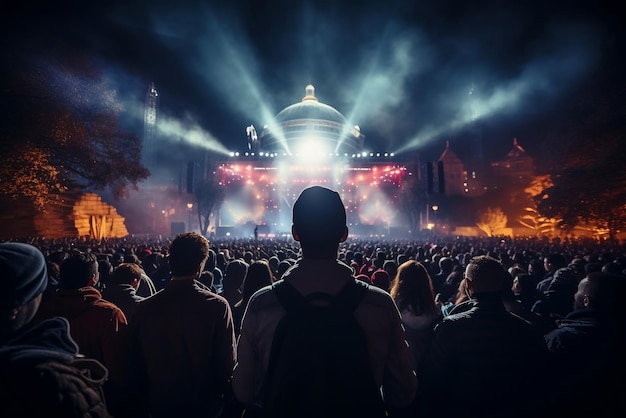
{"points": [[319, 363]]}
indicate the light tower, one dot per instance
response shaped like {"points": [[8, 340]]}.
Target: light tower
{"points": [[150, 121]]}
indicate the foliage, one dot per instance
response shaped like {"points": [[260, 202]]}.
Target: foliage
{"points": [[61, 132], [538, 184], [492, 222], [589, 183], [39, 178], [539, 224], [591, 188], [531, 218]]}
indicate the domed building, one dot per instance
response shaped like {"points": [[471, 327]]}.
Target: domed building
{"points": [[310, 124], [308, 143]]}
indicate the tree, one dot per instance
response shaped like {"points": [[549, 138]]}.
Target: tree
{"points": [[541, 225], [210, 193], [589, 182], [532, 219], [61, 131], [590, 192], [492, 222], [590, 188]]}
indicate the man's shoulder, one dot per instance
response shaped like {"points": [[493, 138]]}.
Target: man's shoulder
{"points": [[265, 297], [457, 319], [172, 295], [105, 307]]}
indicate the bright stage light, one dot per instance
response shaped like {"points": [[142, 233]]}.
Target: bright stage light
{"points": [[312, 150]]}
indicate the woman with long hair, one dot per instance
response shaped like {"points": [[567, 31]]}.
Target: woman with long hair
{"points": [[259, 275], [412, 290]]}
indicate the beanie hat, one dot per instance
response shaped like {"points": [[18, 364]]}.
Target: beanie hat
{"points": [[23, 273], [319, 214]]}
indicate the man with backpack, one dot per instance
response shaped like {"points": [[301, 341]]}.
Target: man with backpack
{"points": [[319, 343]]}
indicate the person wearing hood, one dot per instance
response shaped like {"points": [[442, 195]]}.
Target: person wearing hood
{"points": [[42, 371]]}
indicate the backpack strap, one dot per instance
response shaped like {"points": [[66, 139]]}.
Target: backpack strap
{"points": [[351, 295], [348, 298], [287, 295]]}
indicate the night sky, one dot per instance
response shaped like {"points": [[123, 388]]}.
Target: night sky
{"points": [[411, 74]]}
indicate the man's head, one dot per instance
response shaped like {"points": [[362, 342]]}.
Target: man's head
{"points": [[236, 270], [127, 273], [23, 278], [79, 270], [600, 291], [484, 274], [319, 219], [188, 254], [553, 262]]}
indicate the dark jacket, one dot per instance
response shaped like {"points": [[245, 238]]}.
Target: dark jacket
{"points": [[481, 359], [98, 327], [182, 350], [42, 375], [122, 295], [588, 354]]}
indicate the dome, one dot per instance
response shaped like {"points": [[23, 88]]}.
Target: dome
{"points": [[311, 118], [310, 108]]}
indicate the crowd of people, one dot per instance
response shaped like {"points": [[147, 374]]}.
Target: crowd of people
{"points": [[456, 326]]}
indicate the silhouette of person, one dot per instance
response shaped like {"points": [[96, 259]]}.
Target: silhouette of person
{"points": [[319, 225]]}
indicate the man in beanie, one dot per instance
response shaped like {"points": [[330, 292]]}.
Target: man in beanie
{"points": [[319, 224], [42, 372]]}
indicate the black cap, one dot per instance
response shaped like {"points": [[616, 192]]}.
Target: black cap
{"points": [[319, 212]]}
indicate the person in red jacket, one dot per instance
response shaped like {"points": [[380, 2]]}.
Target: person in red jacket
{"points": [[99, 327]]}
